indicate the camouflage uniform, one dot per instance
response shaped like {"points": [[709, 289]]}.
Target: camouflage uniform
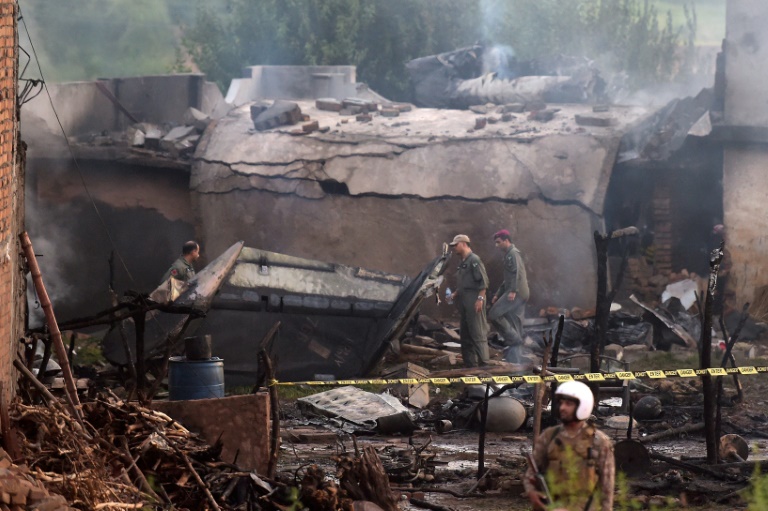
{"points": [[507, 315], [472, 279], [180, 270], [577, 467]]}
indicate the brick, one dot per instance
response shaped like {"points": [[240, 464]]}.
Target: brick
{"points": [[11, 212]]}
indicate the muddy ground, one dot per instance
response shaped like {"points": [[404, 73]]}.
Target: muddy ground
{"points": [[314, 440]]}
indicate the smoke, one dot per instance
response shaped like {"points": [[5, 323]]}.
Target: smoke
{"points": [[54, 254], [499, 59]]}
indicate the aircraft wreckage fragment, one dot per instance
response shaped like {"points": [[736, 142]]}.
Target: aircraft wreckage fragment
{"points": [[336, 321]]}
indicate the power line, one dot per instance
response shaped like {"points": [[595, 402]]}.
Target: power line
{"points": [[72, 152]]}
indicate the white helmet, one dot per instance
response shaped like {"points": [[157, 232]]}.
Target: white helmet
{"points": [[581, 393]]}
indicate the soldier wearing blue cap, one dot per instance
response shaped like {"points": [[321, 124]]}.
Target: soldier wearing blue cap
{"points": [[509, 301]]}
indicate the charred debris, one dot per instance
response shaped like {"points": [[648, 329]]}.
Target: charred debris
{"points": [[93, 448], [84, 444]]}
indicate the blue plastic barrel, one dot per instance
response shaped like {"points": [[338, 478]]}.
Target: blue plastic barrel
{"points": [[195, 379]]}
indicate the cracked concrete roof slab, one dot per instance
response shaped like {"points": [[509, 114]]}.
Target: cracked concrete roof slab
{"points": [[426, 153]]}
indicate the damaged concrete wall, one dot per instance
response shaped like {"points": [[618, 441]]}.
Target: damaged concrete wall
{"points": [[142, 194], [746, 151], [84, 108], [12, 283], [387, 193], [744, 192], [146, 211], [292, 82]]}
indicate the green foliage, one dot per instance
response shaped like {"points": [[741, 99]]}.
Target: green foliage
{"points": [[379, 36], [375, 35], [757, 496], [86, 39]]}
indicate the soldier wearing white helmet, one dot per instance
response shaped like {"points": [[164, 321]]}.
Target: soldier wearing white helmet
{"points": [[576, 457]]}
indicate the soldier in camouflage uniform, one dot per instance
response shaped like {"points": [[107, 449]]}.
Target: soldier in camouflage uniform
{"points": [[576, 457], [182, 268], [509, 301], [472, 284]]}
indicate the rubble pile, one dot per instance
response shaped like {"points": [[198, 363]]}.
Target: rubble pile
{"points": [[123, 455], [23, 489], [266, 116], [174, 140]]}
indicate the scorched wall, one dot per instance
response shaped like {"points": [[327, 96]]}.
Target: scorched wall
{"points": [[386, 193]]}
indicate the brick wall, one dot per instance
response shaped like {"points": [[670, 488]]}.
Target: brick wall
{"points": [[12, 283]]}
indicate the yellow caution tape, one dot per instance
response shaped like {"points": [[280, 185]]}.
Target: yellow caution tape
{"points": [[533, 378]]}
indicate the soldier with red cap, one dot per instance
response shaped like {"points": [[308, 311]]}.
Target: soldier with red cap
{"points": [[509, 301]]}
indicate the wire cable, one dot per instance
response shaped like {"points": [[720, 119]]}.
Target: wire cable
{"points": [[72, 152]]}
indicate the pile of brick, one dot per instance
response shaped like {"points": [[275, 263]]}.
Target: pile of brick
{"points": [[21, 490], [640, 280]]}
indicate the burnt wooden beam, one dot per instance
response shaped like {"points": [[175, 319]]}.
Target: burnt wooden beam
{"points": [[705, 359], [481, 440], [603, 299]]}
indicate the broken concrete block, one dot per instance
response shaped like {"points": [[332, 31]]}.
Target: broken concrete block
{"points": [[593, 120], [513, 108], [363, 117], [281, 113], [152, 138], [196, 118], [479, 109], [363, 104], [542, 115], [535, 105], [403, 107], [480, 122], [324, 129], [310, 127], [175, 136], [257, 108], [390, 112], [417, 395], [352, 110], [506, 117], [192, 139], [493, 120], [178, 133], [328, 104], [138, 138]]}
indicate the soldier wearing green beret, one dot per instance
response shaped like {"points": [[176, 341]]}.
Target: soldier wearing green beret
{"points": [[472, 284]]}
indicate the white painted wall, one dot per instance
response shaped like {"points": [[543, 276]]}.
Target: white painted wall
{"points": [[746, 56]]}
